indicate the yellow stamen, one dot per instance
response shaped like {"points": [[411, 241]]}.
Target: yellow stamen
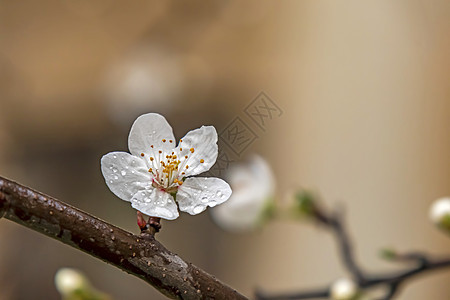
{"points": [[192, 150], [142, 154], [202, 160]]}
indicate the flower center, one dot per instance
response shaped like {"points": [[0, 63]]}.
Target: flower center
{"points": [[168, 169]]}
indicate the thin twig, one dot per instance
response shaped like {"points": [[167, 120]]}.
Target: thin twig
{"points": [[139, 255], [365, 280]]}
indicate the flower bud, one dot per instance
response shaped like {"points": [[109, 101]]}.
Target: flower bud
{"points": [[69, 280], [440, 213], [344, 289]]}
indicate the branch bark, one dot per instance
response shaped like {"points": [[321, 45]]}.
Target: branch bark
{"points": [[139, 255]]}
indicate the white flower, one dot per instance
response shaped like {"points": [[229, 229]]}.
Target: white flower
{"points": [[440, 212], [157, 169], [253, 188], [343, 289], [68, 280]]}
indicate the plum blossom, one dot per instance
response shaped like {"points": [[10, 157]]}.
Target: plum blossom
{"points": [[156, 176], [253, 191]]}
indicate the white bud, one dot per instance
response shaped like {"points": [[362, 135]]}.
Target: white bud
{"points": [[69, 280], [440, 212], [344, 289]]}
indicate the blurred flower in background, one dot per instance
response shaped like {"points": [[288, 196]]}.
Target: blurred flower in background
{"points": [[344, 289], [151, 78], [440, 213], [252, 201], [147, 79], [73, 285]]}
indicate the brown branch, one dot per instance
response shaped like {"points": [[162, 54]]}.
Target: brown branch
{"points": [[141, 256]]}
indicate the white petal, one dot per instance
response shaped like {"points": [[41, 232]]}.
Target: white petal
{"points": [[155, 203], [199, 192], [203, 141], [125, 174], [150, 129]]}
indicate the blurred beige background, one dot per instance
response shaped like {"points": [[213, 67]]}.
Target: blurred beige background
{"points": [[365, 90]]}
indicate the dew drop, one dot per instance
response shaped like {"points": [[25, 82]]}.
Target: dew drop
{"points": [[116, 177], [123, 172], [114, 170], [111, 181], [219, 193], [114, 156], [198, 209]]}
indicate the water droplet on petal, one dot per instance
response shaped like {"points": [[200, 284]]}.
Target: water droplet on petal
{"points": [[123, 172], [116, 177], [219, 193], [198, 209], [111, 181], [115, 170]]}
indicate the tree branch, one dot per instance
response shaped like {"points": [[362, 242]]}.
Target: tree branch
{"points": [[365, 280], [141, 256]]}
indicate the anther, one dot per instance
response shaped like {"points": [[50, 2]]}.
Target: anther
{"points": [[151, 158], [142, 154], [192, 150], [164, 140], [170, 141], [202, 160]]}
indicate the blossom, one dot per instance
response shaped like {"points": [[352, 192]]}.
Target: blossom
{"points": [[156, 176], [440, 212], [344, 289], [253, 190]]}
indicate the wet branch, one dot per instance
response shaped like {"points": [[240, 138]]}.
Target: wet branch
{"points": [[140, 255], [391, 281]]}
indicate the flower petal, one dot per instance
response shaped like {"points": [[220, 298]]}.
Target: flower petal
{"points": [[197, 193], [155, 203], [200, 146], [125, 174], [150, 129]]}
